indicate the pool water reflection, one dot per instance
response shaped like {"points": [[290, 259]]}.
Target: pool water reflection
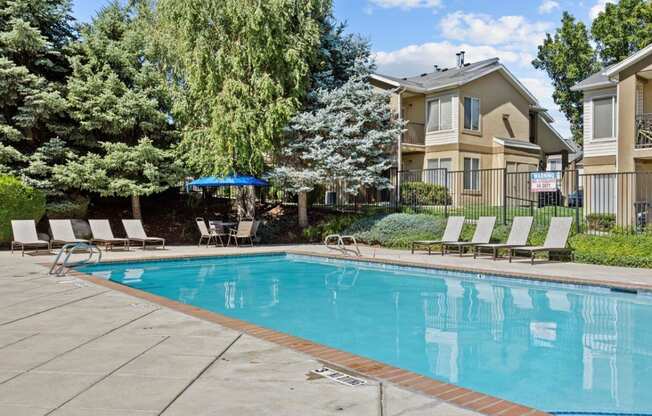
{"points": [[552, 347]]}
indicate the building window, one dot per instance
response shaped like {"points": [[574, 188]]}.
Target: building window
{"points": [[471, 113], [437, 170], [440, 114], [471, 173], [554, 165], [604, 118]]}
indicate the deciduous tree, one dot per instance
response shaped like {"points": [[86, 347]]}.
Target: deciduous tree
{"points": [[622, 29], [242, 68], [567, 58]]}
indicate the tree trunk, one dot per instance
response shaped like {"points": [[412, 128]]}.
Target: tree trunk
{"points": [[303, 209], [246, 201], [135, 207]]}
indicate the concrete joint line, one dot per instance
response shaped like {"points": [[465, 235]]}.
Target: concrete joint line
{"points": [[17, 341], [201, 373], [53, 308], [80, 345], [104, 377], [38, 297]]}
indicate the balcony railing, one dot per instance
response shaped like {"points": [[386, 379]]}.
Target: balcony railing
{"points": [[414, 134], [644, 131]]}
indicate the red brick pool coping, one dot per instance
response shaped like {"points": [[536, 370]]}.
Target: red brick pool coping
{"points": [[450, 393]]}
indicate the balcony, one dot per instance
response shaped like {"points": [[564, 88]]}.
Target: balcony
{"points": [[644, 131], [414, 134]]}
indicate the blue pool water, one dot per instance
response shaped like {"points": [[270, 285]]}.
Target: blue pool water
{"points": [[553, 347]]}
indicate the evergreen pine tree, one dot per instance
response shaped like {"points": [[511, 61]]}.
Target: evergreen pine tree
{"points": [[34, 36]]}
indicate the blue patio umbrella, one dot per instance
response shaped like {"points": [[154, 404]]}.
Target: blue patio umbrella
{"points": [[231, 180]]}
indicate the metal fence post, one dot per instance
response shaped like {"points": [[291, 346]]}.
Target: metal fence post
{"points": [[505, 196], [577, 201], [446, 193]]}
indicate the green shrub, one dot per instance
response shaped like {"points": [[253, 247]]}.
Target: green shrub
{"points": [[76, 207], [334, 224], [601, 222], [421, 193], [397, 230], [627, 250], [18, 202]]}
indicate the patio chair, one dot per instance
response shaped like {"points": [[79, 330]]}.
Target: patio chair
{"points": [[451, 235], [518, 236], [482, 235], [63, 233], [136, 232], [209, 234], [244, 231], [25, 236], [556, 240], [102, 234]]}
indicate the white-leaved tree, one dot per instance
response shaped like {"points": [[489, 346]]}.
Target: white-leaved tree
{"points": [[346, 137]]}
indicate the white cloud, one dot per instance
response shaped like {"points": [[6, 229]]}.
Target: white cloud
{"points": [[406, 4], [515, 32], [599, 7], [548, 6], [416, 59]]}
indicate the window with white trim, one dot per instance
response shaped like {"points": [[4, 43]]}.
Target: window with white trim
{"points": [[437, 170], [471, 173], [604, 117], [439, 114], [471, 113]]}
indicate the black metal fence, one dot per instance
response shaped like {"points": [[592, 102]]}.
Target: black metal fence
{"points": [[600, 203]]}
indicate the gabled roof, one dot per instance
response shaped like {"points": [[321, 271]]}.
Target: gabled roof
{"points": [[455, 77], [598, 80], [607, 76]]}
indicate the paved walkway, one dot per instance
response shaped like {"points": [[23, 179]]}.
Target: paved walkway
{"points": [[68, 347]]}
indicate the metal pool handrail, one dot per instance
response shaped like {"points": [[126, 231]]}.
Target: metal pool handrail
{"points": [[59, 269], [340, 243]]}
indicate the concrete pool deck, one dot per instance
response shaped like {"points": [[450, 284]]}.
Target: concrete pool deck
{"points": [[72, 347]]}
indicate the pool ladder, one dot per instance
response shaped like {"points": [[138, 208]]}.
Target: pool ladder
{"points": [[337, 242], [59, 268]]}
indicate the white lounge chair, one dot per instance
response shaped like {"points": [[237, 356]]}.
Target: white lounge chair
{"points": [[102, 234], [208, 234], [451, 235], [63, 233], [136, 232], [244, 231], [556, 240], [482, 235], [518, 236], [25, 235]]}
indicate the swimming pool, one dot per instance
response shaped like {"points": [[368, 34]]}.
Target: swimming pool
{"points": [[555, 347]]}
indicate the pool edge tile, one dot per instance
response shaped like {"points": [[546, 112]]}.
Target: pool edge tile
{"points": [[489, 406]]}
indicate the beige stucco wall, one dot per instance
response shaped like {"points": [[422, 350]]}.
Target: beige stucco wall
{"points": [[414, 109], [497, 97]]}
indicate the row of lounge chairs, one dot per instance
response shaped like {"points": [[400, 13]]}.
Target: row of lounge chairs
{"points": [[556, 239], [25, 235]]}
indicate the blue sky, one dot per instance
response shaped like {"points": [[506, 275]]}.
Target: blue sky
{"points": [[410, 36]]}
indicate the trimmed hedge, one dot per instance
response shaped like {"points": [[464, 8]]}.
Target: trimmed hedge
{"points": [[421, 193], [18, 202]]}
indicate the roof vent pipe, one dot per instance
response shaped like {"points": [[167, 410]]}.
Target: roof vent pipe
{"points": [[460, 59]]}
